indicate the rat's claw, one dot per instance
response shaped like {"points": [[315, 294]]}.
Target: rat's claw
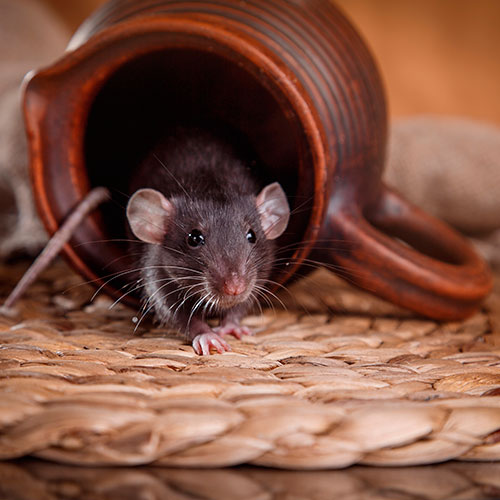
{"points": [[204, 341], [234, 329]]}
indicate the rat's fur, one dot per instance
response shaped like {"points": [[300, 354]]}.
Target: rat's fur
{"points": [[211, 189]]}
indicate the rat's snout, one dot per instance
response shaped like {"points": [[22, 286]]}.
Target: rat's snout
{"points": [[230, 286], [234, 285]]}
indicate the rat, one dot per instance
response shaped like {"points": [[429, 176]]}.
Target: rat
{"points": [[205, 235]]}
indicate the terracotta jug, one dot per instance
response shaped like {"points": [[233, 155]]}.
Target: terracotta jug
{"points": [[292, 77]]}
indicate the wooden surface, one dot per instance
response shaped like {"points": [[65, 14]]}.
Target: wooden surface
{"points": [[33, 479], [353, 380], [436, 56]]}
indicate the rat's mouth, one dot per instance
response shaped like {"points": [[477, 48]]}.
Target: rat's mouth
{"points": [[228, 301]]}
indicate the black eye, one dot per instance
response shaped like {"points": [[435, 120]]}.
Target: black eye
{"points": [[251, 236], [195, 238]]}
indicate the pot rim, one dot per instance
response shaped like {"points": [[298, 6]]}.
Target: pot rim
{"points": [[206, 32]]}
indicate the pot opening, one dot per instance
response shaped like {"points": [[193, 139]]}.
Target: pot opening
{"points": [[193, 87]]}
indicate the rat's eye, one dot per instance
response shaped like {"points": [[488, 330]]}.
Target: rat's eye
{"points": [[251, 236], [195, 238]]}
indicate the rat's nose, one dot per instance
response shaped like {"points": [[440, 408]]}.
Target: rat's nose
{"points": [[235, 285]]}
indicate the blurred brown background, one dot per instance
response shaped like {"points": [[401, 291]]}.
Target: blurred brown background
{"points": [[436, 56]]}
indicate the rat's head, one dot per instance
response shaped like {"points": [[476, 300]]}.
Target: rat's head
{"points": [[223, 248]]}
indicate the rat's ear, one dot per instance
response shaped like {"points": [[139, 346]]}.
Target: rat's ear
{"points": [[147, 213], [273, 209]]}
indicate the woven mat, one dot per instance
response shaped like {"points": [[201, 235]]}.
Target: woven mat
{"points": [[352, 380]]}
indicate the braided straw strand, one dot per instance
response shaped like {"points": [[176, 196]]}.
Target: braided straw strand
{"points": [[351, 381]]}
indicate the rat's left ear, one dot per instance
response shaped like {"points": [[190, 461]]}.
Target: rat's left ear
{"points": [[273, 209]]}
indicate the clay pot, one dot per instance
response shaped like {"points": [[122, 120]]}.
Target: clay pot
{"points": [[297, 82]]}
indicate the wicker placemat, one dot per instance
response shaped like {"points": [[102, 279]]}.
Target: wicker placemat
{"points": [[353, 380]]}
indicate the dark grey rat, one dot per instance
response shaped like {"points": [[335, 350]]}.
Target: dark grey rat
{"points": [[207, 235]]}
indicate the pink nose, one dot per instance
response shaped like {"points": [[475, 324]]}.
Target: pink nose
{"points": [[234, 286]]}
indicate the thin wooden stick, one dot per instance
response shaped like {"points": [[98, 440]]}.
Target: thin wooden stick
{"points": [[91, 201]]}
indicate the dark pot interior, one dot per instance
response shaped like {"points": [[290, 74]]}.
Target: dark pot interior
{"points": [[192, 87]]}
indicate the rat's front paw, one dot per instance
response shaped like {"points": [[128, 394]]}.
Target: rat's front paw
{"points": [[234, 329], [204, 341]]}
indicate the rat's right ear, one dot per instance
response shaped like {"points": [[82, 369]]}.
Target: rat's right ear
{"points": [[147, 213]]}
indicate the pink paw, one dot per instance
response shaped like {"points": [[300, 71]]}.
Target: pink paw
{"points": [[204, 341], [234, 329]]}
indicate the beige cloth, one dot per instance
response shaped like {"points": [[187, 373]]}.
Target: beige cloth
{"points": [[30, 36], [451, 167], [448, 166]]}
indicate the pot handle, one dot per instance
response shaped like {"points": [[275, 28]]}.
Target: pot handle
{"points": [[398, 252]]}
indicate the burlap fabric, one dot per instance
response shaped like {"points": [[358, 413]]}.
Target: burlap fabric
{"points": [[451, 167], [30, 37], [352, 380]]}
